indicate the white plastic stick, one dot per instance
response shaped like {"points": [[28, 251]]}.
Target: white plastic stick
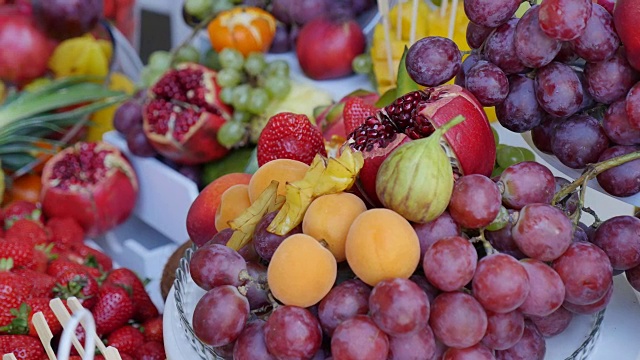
{"points": [[443, 7], [63, 316], [111, 353], [69, 333], [75, 306], [383, 8], [44, 333], [399, 20], [452, 18], [414, 20], [9, 356]]}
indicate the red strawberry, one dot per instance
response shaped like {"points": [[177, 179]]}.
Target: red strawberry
{"points": [[94, 258], [14, 290], [126, 339], [27, 230], [355, 112], [126, 357], [21, 323], [66, 232], [151, 350], [113, 309], [144, 307], [62, 263], [78, 283], [22, 346], [23, 254], [42, 284], [21, 209], [152, 329], [290, 136]]}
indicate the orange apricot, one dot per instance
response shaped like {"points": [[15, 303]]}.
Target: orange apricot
{"points": [[280, 170], [329, 218], [381, 245], [301, 271], [233, 202]]}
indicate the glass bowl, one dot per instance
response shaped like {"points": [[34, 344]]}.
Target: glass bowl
{"points": [[577, 342]]}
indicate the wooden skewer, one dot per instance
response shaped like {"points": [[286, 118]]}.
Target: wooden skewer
{"points": [[444, 4], [414, 19], [452, 19], [63, 316], [44, 333], [9, 356], [75, 305], [383, 8], [112, 353]]}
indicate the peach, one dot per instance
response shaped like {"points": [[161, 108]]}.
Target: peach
{"points": [[281, 170], [233, 202]]}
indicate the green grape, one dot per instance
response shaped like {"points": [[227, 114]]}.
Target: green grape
{"points": [[149, 76], [255, 63], [159, 60], [231, 133], [241, 116], [496, 172], [277, 68], [188, 53], [496, 137], [228, 77], [226, 95], [509, 155], [528, 154], [362, 64], [198, 8], [241, 95], [259, 100], [211, 60], [231, 59], [501, 220], [277, 87]]}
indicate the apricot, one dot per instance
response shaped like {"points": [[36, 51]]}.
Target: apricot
{"points": [[233, 202], [280, 170], [301, 271], [201, 225], [381, 245], [329, 218]]}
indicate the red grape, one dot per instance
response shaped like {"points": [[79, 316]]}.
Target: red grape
{"points": [[490, 13], [547, 290], [542, 232], [359, 338], [619, 238], [256, 291], [621, 180], [433, 60], [292, 332], [266, 242], [525, 183], [586, 273], [500, 283], [566, 54], [344, 301], [223, 236], [426, 286], [415, 346], [558, 89], [220, 316], [398, 306], [450, 263], [432, 231], [599, 40], [610, 79], [533, 46], [487, 82], [617, 126], [503, 330], [475, 352], [458, 319], [128, 116], [590, 308], [250, 345], [502, 240], [531, 346], [138, 143], [520, 111], [214, 265], [578, 141], [485, 205], [500, 48], [564, 19], [554, 323], [632, 105], [467, 63], [477, 34], [542, 133], [633, 277]]}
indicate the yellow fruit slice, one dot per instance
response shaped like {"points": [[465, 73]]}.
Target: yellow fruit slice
{"points": [[83, 55]]}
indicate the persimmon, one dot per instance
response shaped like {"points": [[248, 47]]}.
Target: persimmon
{"points": [[245, 29]]}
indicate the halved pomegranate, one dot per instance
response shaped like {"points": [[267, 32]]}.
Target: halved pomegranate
{"points": [[183, 114], [92, 183], [470, 145]]}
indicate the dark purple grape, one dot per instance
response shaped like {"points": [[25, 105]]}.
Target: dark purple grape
{"points": [[214, 265], [503, 330], [281, 41], [467, 64], [632, 106], [450, 263], [500, 48], [564, 19], [127, 116], [426, 286], [433, 60], [477, 34], [390, 303], [138, 144], [533, 47], [558, 89], [415, 346], [610, 80], [525, 183], [220, 315], [346, 300], [502, 240], [475, 352], [500, 283], [579, 235], [266, 242], [360, 6], [547, 290], [633, 276], [222, 237], [458, 319], [568, 204], [554, 323], [621, 180], [588, 101], [530, 346], [590, 308], [256, 288], [586, 273], [250, 345], [619, 238], [599, 40], [520, 111], [542, 232], [359, 338], [617, 127], [566, 54], [487, 82], [262, 4], [292, 332], [578, 141], [589, 230], [64, 19], [542, 134], [432, 231], [490, 13]]}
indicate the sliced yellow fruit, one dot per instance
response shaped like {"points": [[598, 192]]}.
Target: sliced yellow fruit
{"points": [[83, 55]]}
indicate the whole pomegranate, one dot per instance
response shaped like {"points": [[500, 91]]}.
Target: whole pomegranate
{"points": [[470, 145], [25, 49], [92, 183], [625, 18], [64, 19], [183, 114]]}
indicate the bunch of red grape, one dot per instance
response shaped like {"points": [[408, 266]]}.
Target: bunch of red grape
{"points": [[559, 71]]}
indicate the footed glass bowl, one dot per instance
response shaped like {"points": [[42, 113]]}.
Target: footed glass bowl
{"points": [[577, 342]]}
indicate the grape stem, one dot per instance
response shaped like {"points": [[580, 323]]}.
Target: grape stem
{"points": [[196, 29], [485, 243]]}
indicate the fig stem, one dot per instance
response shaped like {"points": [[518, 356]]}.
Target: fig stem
{"points": [[196, 29], [451, 123]]}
